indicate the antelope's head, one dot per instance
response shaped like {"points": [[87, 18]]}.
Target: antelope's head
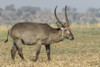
{"points": [[64, 27]]}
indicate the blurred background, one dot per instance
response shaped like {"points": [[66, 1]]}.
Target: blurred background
{"points": [[80, 12]]}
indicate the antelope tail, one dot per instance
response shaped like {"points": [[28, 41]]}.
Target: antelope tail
{"points": [[7, 37]]}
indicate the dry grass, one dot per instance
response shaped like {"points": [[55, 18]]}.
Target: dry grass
{"points": [[84, 51], [87, 25]]}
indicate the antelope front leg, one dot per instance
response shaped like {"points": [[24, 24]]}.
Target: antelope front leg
{"points": [[48, 51], [38, 48]]}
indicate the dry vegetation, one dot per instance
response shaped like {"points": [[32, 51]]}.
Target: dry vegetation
{"points": [[84, 51]]}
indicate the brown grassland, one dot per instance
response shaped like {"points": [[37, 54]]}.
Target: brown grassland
{"points": [[84, 51]]}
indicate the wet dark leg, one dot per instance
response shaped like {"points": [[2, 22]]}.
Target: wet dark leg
{"points": [[48, 51]]}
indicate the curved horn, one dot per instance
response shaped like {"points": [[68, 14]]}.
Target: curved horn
{"points": [[66, 16], [57, 17]]}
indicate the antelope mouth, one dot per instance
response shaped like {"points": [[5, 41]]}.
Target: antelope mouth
{"points": [[71, 38]]}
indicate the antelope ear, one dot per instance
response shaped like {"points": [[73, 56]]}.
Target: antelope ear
{"points": [[58, 25], [65, 24]]}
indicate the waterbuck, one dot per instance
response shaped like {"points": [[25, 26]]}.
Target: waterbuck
{"points": [[39, 34]]}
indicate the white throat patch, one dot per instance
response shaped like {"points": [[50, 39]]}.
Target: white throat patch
{"points": [[62, 30]]}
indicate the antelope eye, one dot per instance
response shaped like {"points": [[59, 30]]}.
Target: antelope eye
{"points": [[65, 30]]}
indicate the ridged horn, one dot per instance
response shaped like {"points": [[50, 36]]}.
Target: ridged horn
{"points": [[67, 21], [57, 17]]}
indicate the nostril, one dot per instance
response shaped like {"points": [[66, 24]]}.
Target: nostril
{"points": [[72, 38]]}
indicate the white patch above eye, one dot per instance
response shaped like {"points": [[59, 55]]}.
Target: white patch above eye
{"points": [[68, 32]]}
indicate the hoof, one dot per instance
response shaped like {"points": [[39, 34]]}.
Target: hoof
{"points": [[34, 60], [24, 60]]}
